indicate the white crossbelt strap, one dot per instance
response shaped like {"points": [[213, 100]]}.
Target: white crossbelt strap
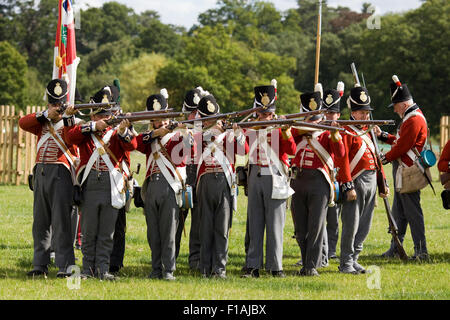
{"points": [[366, 142], [224, 163], [95, 155], [280, 184], [164, 140], [329, 163], [411, 153], [169, 171], [117, 180]]}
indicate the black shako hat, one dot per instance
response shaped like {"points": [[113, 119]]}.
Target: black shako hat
{"points": [[399, 91], [107, 94], [56, 91], [332, 98], [208, 106], [265, 96], [157, 102], [359, 99], [191, 100]]}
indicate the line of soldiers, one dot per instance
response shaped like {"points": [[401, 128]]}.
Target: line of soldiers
{"points": [[195, 170]]}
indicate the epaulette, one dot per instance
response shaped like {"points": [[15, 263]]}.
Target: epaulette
{"points": [[41, 116]]}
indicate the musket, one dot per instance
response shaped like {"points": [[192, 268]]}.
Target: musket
{"points": [[289, 122], [226, 116], [86, 106], [361, 122], [133, 118], [304, 114], [143, 113], [382, 186]]}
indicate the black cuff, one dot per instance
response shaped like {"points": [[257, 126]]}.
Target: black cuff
{"points": [[127, 137], [347, 186], [69, 121], [86, 129], [384, 136], [147, 137]]}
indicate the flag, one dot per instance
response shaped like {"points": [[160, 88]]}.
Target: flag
{"points": [[65, 60]]}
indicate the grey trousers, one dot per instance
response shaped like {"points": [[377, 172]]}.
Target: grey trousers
{"points": [[97, 223], [357, 218], [52, 210], [215, 205], [194, 233], [310, 203], [118, 252], [264, 213], [406, 210], [161, 214], [333, 228]]}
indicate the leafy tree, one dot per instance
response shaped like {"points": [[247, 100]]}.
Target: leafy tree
{"points": [[138, 80], [12, 75], [227, 68]]}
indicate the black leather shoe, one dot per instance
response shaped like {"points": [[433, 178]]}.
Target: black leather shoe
{"points": [[278, 274], [114, 269], [62, 273], [251, 273], [37, 273]]}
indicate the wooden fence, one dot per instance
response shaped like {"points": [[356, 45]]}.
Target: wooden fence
{"points": [[17, 147], [445, 131]]}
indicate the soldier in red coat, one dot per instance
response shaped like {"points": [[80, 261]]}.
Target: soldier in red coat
{"points": [[313, 183], [190, 105], [53, 185], [332, 102], [268, 189], [102, 179], [167, 153], [358, 176], [217, 187], [412, 133]]}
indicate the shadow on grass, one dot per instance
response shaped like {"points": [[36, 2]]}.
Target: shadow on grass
{"points": [[15, 247]]}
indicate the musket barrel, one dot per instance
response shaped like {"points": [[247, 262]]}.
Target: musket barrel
{"points": [[304, 114], [84, 106], [287, 122], [134, 118], [362, 122]]}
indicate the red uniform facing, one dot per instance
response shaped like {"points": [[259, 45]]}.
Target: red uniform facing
{"points": [[412, 133]]}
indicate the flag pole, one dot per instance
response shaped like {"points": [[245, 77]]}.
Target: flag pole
{"points": [[319, 33]]}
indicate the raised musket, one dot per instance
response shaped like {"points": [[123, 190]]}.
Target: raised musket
{"points": [[287, 122], [304, 114], [226, 116], [361, 122], [87, 106], [143, 117]]}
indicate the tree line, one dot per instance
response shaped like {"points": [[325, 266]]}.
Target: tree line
{"points": [[231, 49]]}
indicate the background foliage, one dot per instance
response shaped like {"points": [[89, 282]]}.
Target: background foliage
{"points": [[234, 47]]}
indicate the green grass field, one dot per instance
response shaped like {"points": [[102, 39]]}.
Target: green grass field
{"points": [[412, 280]]}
